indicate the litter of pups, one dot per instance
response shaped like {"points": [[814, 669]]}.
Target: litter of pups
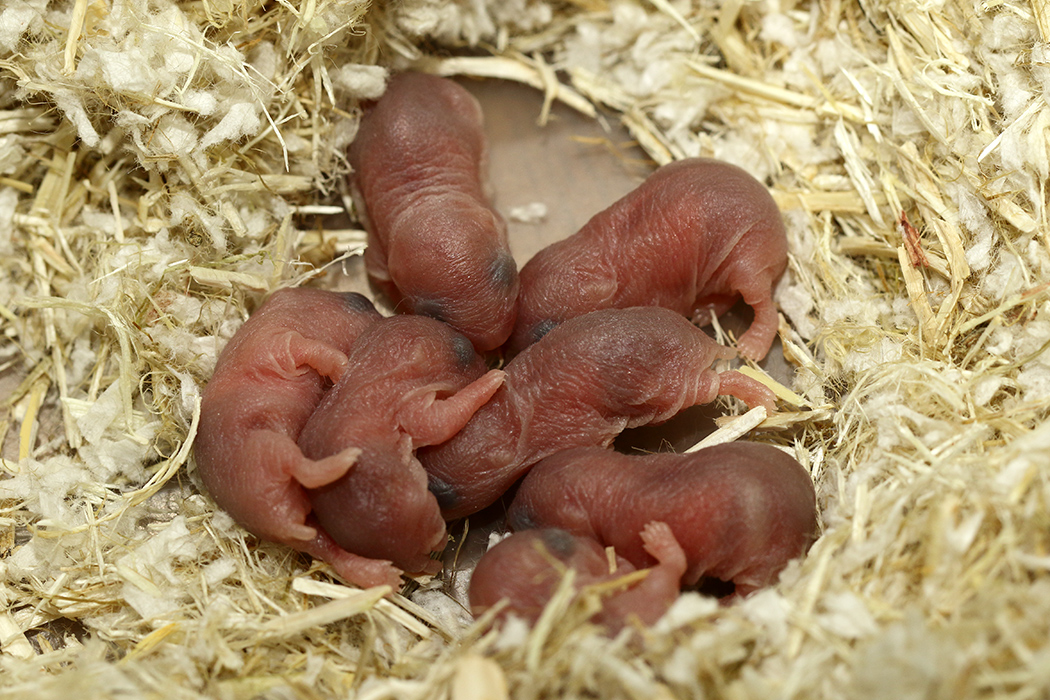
{"points": [[370, 432]]}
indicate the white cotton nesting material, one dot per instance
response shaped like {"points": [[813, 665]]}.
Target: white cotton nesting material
{"points": [[176, 134], [241, 118], [770, 612], [200, 101], [95, 421], [361, 81], [909, 660], [43, 489], [18, 18], [161, 551], [11, 153], [1034, 381], [847, 616], [1030, 457], [120, 460], [39, 557], [1000, 342], [687, 609], [986, 389], [781, 29], [73, 107], [1005, 278], [122, 69]]}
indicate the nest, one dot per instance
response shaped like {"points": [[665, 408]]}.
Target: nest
{"points": [[164, 164]]}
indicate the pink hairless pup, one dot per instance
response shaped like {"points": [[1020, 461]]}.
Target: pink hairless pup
{"points": [[410, 381], [269, 379], [582, 384], [740, 511], [737, 512], [694, 237], [436, 246], [526, 568]]}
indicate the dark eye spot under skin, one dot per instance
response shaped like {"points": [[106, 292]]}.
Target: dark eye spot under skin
{"points": [[463, 350], [444, 493], [503, 270], [520, 519], [559, 542], [357, 302], [429, 308], [543, 328]]}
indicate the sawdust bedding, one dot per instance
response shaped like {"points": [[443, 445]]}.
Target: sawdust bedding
{"points": [[162, 165]]}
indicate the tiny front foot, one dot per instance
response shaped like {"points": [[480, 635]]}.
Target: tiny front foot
{"points": [[293, 352], [439, 421], [314, 474], [659, 541], [653, 595], [368, 572]]}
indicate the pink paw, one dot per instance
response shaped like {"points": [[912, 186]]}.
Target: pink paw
{"points": [[365, 572], [661, 544]]}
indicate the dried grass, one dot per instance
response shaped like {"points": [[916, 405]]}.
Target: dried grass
{"points": [[160, 167]]}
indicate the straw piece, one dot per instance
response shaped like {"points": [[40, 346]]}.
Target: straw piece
{"points": [[28, 432], [479, 678], [776, 94], [228, 279], [283, 627], [518, 69], [776, 387], [669, 10], [738, 427], [12, 641]]}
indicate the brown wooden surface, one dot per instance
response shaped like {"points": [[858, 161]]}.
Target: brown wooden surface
{"points": [[572, 164]]}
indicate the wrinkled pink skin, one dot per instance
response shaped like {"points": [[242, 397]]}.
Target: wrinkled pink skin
{"points": [[436, 247], [694, 237], [740, 511], [269, 379], [410, 381], [583, 384], [526, 568]]}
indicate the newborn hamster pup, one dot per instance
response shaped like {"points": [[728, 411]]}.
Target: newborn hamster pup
{"points": [[410, 381], [268, 380], [582, 384], [526, 568], [436, 247], [696, 235], [740, 511]]}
